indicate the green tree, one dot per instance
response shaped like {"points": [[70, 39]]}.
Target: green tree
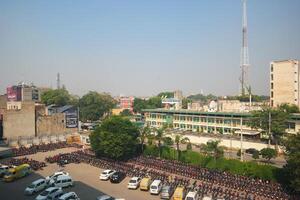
{"points": [[278, 117], [179, 139], [214, 149], [292, 169], [268, 153], [126, 113], [116, 138], [289, 108], [166, 94], [159, 137], [144, 134], [255, 155], [185, 102], [93, 106], [59, 97], [139, 104]]}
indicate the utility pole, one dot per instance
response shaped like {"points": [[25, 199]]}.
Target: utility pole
{"points": [[242, 156], [269, 141]]}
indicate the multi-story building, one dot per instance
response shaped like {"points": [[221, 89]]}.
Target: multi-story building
{"points": [[23, 92], [126, 103], [284, 82], [209, 122]]}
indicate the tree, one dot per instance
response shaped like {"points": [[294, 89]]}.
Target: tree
{"points": [[289, 108], [212, 147], [93, 106], [260, 120], [180, 139], [59, 97], [159, 137], [185, 102], [138, 105], [268, 153], [255, 155], [144, 134], [292, 169], [126, 113], [116, 138]]}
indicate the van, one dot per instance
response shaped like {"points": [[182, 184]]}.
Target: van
{"points": [[155, 187], [36, 186], [63, 181], [145, 183], [17, 172], [179, 193], [192, 195], [166, 192], [69, 196]]}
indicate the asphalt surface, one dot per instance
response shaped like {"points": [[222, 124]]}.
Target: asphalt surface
{"points": [[86, 178]]}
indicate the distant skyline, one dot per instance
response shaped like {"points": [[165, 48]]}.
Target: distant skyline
{"points": [[144, 47]]}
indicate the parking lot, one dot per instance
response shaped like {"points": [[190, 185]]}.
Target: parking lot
{"points": [[86, 182]]}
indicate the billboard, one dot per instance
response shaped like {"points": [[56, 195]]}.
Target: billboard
{"points": [[11, 93], [71, 118]]}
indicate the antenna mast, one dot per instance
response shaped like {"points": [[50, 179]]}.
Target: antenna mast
{"points": [[58, 81], [244, 53]]}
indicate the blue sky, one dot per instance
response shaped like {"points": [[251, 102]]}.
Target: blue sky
{"points": [[144, 47]]}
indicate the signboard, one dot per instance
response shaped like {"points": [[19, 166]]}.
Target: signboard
{"points": [[71, 118], [11, 93]]}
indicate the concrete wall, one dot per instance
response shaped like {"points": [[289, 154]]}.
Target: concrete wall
{"points": [[19, 122], [51, 124]]}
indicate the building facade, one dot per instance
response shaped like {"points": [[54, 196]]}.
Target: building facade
{"points": [[23, 92], [209, 122], [126, 103], [284, 82]]}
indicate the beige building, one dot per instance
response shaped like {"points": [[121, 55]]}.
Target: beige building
{"points": [[284, 82]]}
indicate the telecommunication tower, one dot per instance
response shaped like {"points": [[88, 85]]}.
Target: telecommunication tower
{"points": [[58, 81], [245, 87]]}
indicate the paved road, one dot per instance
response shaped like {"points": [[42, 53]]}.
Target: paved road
{"points": [[87, 184]]}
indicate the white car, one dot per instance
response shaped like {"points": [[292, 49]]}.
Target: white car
{"points": [[107, 197], [63, 181], [69, 196], [48, 192], [36, 186], [52, 178], [134, 183], [106, 174], [192, 196]]}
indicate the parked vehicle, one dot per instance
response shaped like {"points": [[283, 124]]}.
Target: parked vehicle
{"points": [[134, 183], [117, 177], [3, 170], [179, 193], [155, 187], [105, 175], [192, 195], [55, 195], [63, 181], [166, 192], [36, 186], [69, 196], [145, 184], [251, 151], [51, 179], [17, 172], [107, 197], [48, 192]]}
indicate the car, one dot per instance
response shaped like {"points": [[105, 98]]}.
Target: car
{"points": [[192, 195], [107, 197], [51, 179], [134, 183], [105, 175], [55, 195], [69, 196], [63, 181], [166, 192], [155, 187], [17, 172], [3, 170], [47, 192], [251, 150], [36, 186], [117, 177]]}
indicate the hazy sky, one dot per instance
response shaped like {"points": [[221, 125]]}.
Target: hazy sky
{"points": [[145, 46]]}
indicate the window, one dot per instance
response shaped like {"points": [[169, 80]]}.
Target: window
{"points": [[272, 85], [271, 67], [272, 77], [272, 94]]}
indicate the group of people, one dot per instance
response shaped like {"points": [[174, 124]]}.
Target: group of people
{"points": [[34, 164], [208, 182], [22, 151]]}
